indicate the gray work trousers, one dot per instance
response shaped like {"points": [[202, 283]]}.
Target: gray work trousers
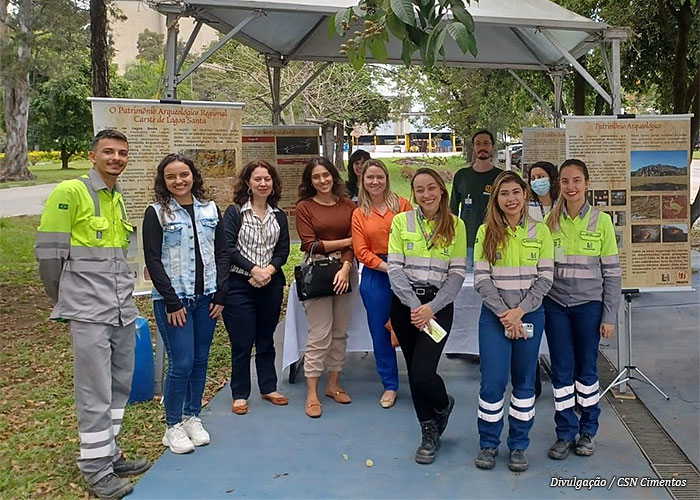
{"points": [[103, 357]]}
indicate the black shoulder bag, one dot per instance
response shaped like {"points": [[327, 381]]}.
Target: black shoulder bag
{"points": [[314, 277]]}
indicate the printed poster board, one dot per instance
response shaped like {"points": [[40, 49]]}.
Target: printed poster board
{"points": [[640, 175], [207, 132], [542, 144], [287, 148]]}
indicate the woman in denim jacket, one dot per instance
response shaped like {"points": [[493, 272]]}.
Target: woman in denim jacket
{"points": [[185, 251]]}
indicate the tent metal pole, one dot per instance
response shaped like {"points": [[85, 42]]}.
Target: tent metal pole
{"points": [[253, 15], [615, 84], [303, 86], [188, 46], [534, 94], [171, 55], [558, 79], [577, 66], [276, 108]]}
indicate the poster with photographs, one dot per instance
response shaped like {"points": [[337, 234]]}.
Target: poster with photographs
{"points": [[287, 148], [207, 132], [542, 144], [639, 169]]}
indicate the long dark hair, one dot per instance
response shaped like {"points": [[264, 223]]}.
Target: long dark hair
{"points": [[558, 208], [306, 189], [444, 220], [240, 189], [357, 155], [161, 194], [553, 174]]}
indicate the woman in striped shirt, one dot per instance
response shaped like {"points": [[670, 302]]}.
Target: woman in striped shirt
{"points": [[258, 243]]}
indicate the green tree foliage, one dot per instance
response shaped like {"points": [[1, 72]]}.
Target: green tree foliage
{"points": [[150, 45], [420, 25], [61, 116]]}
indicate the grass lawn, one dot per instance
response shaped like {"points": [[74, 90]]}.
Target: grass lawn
{"points": [[50, 172], [696, 155], [38, 431]]}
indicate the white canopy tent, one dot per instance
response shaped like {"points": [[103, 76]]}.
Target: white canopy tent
{"points": [[510, 34]]}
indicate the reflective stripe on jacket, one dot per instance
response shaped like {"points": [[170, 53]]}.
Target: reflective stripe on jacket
{"points": [[81, 248], [586, 263], [412, 263], [523, 271], [177, 251]]}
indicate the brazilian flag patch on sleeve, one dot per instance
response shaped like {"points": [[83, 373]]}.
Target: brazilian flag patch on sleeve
{"points": [[63, 206]]}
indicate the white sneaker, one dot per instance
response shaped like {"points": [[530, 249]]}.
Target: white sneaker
{"points": [[195, 431], [176, 439]]}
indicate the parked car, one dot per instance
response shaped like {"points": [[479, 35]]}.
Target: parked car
{"points": [[516, 154], [396, 149]]}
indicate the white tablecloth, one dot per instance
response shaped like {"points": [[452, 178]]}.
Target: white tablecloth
{"points": [[463, 337]]}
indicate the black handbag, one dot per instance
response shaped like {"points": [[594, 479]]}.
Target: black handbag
{"points": [[314, 277]]}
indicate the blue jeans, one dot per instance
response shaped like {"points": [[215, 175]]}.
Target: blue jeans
{"points": [[375, 291], [188, 354], [503, 358], [573, 335]]}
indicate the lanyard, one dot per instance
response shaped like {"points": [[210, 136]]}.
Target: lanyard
{"points": [[426, 235]]}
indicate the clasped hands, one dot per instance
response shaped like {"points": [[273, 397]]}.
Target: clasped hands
{"points": [[261, 276], [512, 322], [421, 316]]}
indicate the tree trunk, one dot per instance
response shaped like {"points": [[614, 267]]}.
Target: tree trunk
{"points": [[15, 80], [339, 140], [327, 139], [580, 90], [65, 157], [99, 51], [16, 100], [599, 105]]}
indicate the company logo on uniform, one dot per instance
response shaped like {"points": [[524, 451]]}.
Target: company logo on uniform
{"points": [[487, 189], [63, 206], [409, 246]]}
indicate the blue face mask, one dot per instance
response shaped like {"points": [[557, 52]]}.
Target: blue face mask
{"points": [[540, 186]]}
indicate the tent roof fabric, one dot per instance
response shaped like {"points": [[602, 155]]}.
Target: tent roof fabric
{"points": [[508, 32]]}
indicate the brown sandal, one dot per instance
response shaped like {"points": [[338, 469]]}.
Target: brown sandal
{"points": [[239, 410], [340, 396], [276, 400], [313, 410]]}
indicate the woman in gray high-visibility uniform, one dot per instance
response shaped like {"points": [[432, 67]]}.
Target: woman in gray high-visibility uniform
{"points": [[513, 268], [580, 308]]}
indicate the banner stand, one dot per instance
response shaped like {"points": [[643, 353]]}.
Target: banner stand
{"points": [[627, 372]]}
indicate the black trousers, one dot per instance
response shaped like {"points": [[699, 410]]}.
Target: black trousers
{"points": [[250, 315], [422, 355]]}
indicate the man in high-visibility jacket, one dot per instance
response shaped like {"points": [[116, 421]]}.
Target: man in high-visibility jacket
{"points": [[81, 248]]}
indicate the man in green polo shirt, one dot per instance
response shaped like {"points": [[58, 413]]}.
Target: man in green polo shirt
{"points": [[471, 188]]}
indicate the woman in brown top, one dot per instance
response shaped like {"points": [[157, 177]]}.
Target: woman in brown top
{"points": [[324, 216]]}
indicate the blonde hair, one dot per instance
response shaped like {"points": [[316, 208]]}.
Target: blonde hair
{"points": [[496, 231], [364, 202], [444, 220], [558, 207]]}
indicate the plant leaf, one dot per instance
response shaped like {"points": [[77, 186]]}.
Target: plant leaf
{"points": [[343, 15], [332, 31], [378, 49], [407, 50], [464, 17], [396, 26], [459, 34], [404, 11], [472, 45]]}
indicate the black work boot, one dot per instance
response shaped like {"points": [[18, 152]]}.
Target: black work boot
{"points": [[425, 454], [444, 415], [125, 468], [111, 487], [486, 459], [560, 449], [585, 446], [518, 461]]}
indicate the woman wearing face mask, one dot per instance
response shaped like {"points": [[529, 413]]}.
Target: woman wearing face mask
{"points": [[370, 238], [185, 251], [544, 183], [324, 219], [356, 162], [580, 308], [427, 265], [513, 268]]}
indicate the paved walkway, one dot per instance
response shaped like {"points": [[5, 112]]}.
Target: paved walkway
{"points": [[27, 200]]}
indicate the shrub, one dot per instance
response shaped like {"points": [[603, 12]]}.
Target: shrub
{"points": [[407, 172]]}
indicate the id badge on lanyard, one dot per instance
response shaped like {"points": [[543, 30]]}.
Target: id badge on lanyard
{"points": [[426, 235]]}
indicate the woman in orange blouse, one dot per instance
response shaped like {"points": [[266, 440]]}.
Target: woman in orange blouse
{"points": [[377, 205]]}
